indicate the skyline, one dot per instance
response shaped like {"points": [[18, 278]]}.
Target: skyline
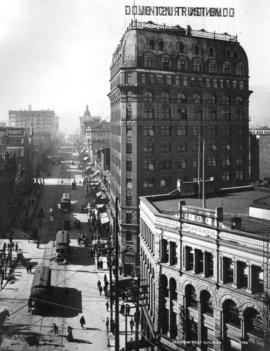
{"points": [[56, 54]]}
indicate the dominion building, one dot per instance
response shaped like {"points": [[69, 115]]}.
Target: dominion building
{"points": [[173, 90]]}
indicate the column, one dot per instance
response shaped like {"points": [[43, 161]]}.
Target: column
{"points": [[221, 270], [250, 278], [235, 274], [195, 261], [205, 264], [184, 258], [218, 328], [242, 325], [199, 323]]}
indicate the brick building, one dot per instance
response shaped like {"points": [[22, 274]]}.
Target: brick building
{"points": [[170, 89]]}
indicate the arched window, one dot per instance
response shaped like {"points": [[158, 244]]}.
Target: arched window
{"points": [[226, 67], [160, 45], [164, 97], [253, 322], [181, 48], [181, 98], [239, 69], [148, 60], [148, 97], [211, 52], [197, 99], [231, 313], [165, 62], [228, 53], [197, 65], [191, 296], [197, 50], [182, 64], [207, 303], [212, 67], [151, 44]]}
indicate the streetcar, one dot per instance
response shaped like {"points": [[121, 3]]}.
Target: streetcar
{"points": [[40, 289], [62, 245], [65, 202]]}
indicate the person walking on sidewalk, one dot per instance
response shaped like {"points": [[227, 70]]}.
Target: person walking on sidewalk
{"points": [[100, 290], [107, 324], [107, 305], [82, 322]]}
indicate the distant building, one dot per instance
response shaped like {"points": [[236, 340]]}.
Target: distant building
{"points": [[170, 88], [43, 125], [206, 272], [95, 133], [260, 154]]}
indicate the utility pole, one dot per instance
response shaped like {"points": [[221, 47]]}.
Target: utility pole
{"points": [[199, 167], [116, 230], [203, 174]]}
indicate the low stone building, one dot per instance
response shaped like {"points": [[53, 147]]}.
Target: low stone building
{"points": [[208, 272]]}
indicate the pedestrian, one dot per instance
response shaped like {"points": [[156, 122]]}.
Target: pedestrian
{"points": [[2, 282], [131, 323], [27, 268], [100, 290], [107, 324], [12, 245], [16, 247], [107, 305], [105, 278], [122, 308], [37, 244], [98, 283], [30, 268], [82, 322]]}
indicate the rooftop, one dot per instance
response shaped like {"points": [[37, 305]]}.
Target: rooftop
{"points": [[233, 204]]}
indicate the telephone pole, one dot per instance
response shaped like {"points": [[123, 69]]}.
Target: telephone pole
{"points": [[116, 230]]}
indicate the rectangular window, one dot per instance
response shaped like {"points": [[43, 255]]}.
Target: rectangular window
{"points": [[165, 148], [193, 82], [181, 113], [148, 184], [128, 218], [148, 113], [207, 83], [148, 148], [226, 161], [128, 78], [148, 165], [165, 113], [151, 79], [129, 166], [182, 147], [215, 83], [241, 85], [148, 131], [160, 79], [234, 84], [182, 164], [128, 235], [165, 182], [129, 148], [195, 163], [169, 80], [185, 81], [239, 175], [181, 130], [226, 176], [213, 115], [165, 164], [228, 83], [221, 83], [143, 80], [196, 130], [165, 131], [177, 80], [211, 162]]}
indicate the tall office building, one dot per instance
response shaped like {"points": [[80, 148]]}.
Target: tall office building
{"points": [[42, 124], [170, 88]]}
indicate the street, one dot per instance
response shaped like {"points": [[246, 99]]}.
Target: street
{"points": [[74, 285]]}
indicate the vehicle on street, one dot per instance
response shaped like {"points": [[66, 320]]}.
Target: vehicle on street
{"points": [[65, 202], [62, 245], [82, 240], [40, 290]]}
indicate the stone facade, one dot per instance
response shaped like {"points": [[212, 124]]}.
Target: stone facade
{"points": [[207, 279], [170, 89]]}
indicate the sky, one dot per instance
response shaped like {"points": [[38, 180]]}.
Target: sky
{"points": [[56, 54]]}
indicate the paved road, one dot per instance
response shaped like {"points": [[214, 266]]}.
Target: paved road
{"points": [[74, 286]]}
